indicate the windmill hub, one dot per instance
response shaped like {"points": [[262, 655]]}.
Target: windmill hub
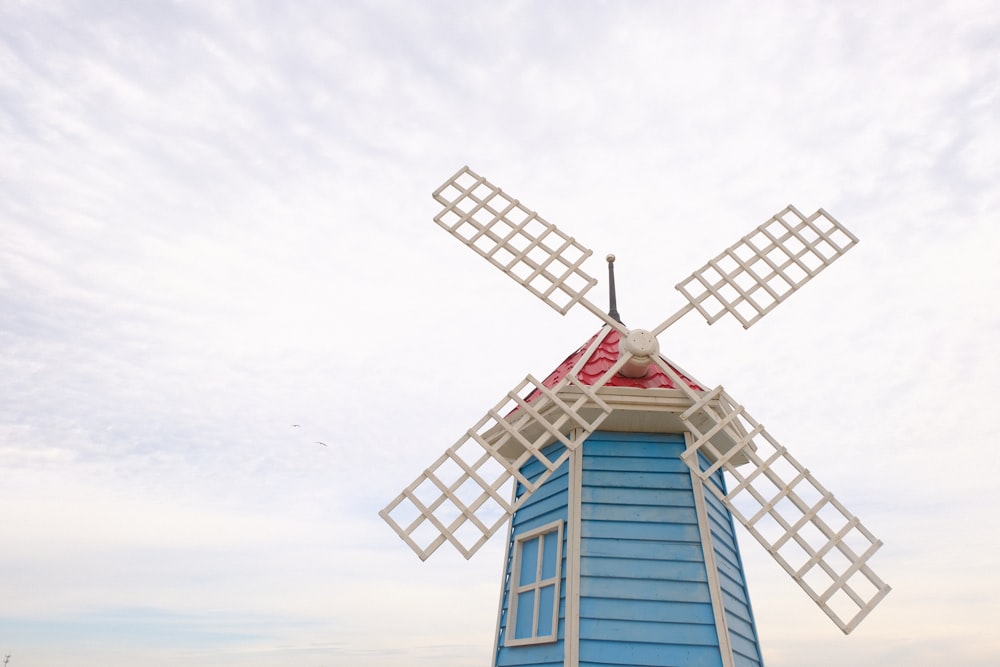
{"points": [[643, 346]]}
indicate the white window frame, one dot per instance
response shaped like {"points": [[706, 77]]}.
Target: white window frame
{"points": [[537, 584]]}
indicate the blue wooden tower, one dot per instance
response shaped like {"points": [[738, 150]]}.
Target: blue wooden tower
{"points": [[623, 557], [619, 476]]}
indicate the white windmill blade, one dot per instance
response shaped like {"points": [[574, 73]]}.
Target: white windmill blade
{"points": [[751, 277], [817, 541], [468, 493], [516, 240]]}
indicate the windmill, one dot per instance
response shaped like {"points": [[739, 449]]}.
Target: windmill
{"points": [[616, 554]]}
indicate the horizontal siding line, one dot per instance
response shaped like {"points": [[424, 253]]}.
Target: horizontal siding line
{"points": [[666, 450], [733, 598], [636, 461], [651, 539], [707, 659], [594, 562], [642, 558], [731, 583], [620, 500], [652, 549], [718, 524], [704, 624], [545, 504], [753, 659], [649, 495], [534, 467], [742, 635], [742, 623], [618, 479], [740, 600], [590, 505], [651, 642], [630, 515], [726, 566], [531, 522], [617, 608], [596, 522], [652, 580], [638, 589], [513, 656], [600, 540], [728, 560], [660, 579], [668, 626], [668, 510], [553, 485], [657, 460], [740, 610], [548, 489], [729, 556]]}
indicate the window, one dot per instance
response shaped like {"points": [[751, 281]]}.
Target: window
{"points": [[533, 616]]}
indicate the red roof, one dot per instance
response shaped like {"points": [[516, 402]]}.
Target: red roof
{"points": [[603, 358]]}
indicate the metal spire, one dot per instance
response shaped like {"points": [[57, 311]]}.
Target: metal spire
{"points": [[613, 312]]}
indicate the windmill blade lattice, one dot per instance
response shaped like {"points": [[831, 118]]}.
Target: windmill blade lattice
{"points": [[814, 538], [516, 240], [467, 494], [751, 277]]}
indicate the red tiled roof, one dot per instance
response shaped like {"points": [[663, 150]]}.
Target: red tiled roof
{"points": [[602, 359]]}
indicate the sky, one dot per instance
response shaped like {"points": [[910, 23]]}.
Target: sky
{"points": [[217, 252]]}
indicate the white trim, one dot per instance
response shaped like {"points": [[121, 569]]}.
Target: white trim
{"points": [[574, 519], [515, 576], [707, 547], [503, 577], [591, 349]]}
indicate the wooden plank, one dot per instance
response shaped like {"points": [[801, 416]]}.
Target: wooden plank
{"points": [[673, 479], [628, 463], [612, 654], [637, 589], [646, 610], [654, 571], [729, 572], [553, 504], [639, 514], [677, 551], [695, 634], [556, 481], [745, 649], [736, 606], [640, 531], [727, 553], [741, 630], [651, 445], [624, 496], [535, 655]]}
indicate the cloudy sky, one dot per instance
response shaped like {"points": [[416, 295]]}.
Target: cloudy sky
{"points": [[215, 223]]}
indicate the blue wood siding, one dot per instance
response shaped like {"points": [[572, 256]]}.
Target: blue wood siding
{"points": [[644, 589], [735, 598], [547, 504]]}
